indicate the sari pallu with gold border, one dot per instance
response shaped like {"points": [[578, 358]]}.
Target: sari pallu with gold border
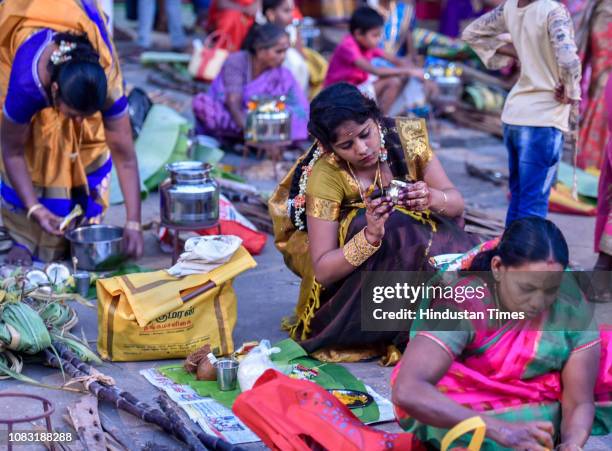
{"points": [[328, 319], [69, 163], [513, 371]]}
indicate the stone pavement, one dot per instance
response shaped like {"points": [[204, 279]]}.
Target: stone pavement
{"points": [[269, 292]]}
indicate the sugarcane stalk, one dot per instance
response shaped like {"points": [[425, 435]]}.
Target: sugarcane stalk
{"points": [[211, 442], [110, 394], [123, 400], [180, 430]]}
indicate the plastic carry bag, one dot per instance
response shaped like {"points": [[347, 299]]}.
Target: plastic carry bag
{"points": [[255, 364]]}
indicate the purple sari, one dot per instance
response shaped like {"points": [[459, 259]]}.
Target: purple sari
{"points": [[212, 116]]}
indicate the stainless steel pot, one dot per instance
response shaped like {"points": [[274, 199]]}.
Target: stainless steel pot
{"points": [[268, 121], [97, 247], [448, 79], [190, 197]]}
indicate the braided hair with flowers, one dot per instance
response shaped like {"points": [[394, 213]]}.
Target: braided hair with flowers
{"points": [[75, 67], [335, 105]]}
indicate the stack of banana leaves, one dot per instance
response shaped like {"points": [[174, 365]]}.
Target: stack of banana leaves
{"points": [[35, 315]]}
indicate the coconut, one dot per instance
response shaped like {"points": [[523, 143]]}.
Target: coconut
{"points": [[193, 360], [5, 272], [58, 273], [36, 278], [206, 371]]}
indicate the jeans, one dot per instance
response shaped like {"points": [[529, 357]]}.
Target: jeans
{"points": [[146, 16], [200, 5], [533, 156]]}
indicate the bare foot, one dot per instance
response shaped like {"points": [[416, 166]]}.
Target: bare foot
{"points": [[18, 256]]}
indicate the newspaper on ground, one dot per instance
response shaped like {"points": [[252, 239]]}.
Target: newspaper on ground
{"points": [[216, 419]]}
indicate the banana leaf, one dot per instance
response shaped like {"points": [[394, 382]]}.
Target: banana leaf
{"points": [[158, 143], [17, 318], [330, 376], [164, 57], [82, 350]]}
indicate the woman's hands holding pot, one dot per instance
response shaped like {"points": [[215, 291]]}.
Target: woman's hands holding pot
{"points": [[416, 197], [377, 213]]}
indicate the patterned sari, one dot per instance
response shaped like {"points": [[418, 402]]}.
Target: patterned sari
{"points": [[513, 371], [213, 117], [596, 27], [329, 318], [603, 226], [69, 163]]}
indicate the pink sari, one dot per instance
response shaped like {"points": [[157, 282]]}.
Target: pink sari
{"points": [[499, 372], [603, 226]]}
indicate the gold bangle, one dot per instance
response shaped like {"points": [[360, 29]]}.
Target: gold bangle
{"points": [[133, 225], [358, 249], [445, 202], [32, 209]]}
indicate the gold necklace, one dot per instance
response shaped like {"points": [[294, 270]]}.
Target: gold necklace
{"points": [[377, 180]]}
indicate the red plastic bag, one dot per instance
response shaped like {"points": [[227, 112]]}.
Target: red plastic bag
{"points": [[295, 415], [252, 240]]}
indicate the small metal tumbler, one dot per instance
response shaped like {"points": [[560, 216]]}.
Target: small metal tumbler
{"points": [[395, 188], [227, 374], [81, 282]]}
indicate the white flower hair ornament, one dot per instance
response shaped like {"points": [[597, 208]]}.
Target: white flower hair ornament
{"points": [[62, 54]]}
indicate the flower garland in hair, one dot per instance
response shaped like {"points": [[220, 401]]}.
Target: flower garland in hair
{"points": [[299, 201], [61, 55]]}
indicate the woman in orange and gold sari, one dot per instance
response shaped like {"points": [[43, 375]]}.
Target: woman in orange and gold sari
{"points": [[64, 114], [333, 223]]}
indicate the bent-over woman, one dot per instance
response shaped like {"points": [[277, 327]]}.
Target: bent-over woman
{"points": [[64, 114]]}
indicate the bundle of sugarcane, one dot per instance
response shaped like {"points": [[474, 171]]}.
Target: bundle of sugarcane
{"points": [[104, 389]]}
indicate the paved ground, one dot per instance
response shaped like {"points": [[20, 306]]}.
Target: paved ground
{"points": [[269, 292]]}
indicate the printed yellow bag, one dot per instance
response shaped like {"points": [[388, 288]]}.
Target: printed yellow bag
{"points": [[151, 316]]}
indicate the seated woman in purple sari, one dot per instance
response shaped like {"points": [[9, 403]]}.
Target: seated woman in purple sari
{"points": [[534, 381], [256, 71]]}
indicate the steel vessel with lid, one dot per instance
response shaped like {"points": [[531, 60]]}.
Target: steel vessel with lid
{"points": [[190, 197]]}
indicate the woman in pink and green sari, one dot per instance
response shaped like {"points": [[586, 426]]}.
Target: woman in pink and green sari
{"points": [[534, 381], [254, 72]]}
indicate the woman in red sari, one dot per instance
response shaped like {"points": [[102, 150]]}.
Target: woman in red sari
{"points": [[535, 382], [233, 18]]}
